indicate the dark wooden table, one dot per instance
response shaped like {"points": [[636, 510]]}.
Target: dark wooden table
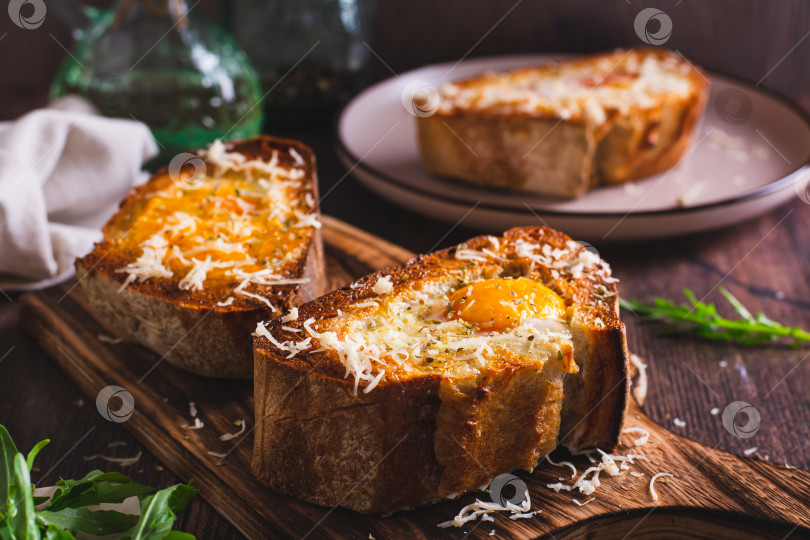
{"points": [[766, 263]]}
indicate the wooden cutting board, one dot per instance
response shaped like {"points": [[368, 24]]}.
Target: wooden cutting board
{"points": [[711, 495]]}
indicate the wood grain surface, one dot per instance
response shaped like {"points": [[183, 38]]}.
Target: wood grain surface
{"points": [[712, 495]]}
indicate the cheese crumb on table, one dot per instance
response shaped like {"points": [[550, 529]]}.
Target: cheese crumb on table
{"points": [[652, 482]]}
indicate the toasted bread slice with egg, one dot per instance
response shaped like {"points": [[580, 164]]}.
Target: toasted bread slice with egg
{"points": [[196, 256], [422, 382], [563, 128]]}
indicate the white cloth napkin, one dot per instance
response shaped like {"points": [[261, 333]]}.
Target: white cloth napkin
{"points": [[63, 171]]}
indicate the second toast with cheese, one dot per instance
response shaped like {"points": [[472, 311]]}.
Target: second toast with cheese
{"points": [[196, 256], [569, 126]]}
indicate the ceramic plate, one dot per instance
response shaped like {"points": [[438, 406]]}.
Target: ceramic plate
{"points": [[750, 153]]}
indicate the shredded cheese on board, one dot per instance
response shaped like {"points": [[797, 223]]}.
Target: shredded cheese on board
{"points": [[640, 390], [198, 424], [229, 436], [645, 435], [652, 484], [480, 508], [104, 338], [123, 462], [564, 464], [588, 481]]}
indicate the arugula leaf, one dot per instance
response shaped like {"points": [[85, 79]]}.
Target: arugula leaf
{"points": [[34, 451], [159, 511], [68, 511], [96, 522], [7, 444], [55, 533], [178, 535], [703, 319], [95, 488], [21, 511], [7, 453]]}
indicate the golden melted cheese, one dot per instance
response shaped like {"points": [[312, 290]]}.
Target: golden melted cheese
{"points": [[238, 226], [579, 90], [476, 316], [411, 331]]}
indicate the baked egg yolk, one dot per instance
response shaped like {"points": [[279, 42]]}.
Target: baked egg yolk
{"points": [[501, 304]]}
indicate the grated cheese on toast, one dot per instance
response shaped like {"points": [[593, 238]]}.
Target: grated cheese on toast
{"points": [[405, 329], [240, 227], [578, 91]]}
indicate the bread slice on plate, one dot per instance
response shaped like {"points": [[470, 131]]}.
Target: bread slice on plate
{"points": [[563, 128], [199, 254], [422, 382]]}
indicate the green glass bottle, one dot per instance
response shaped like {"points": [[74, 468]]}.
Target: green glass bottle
{"points": [[168, 66]]}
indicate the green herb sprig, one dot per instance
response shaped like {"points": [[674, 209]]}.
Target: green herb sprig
{"points": [[702, 318], [67, 511]]}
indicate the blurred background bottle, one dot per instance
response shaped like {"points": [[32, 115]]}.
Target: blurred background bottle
{"points": [[167, 65], [311, 55]]}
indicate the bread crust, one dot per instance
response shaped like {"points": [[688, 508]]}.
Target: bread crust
{"points": [[187, 327], [415, 440], [540, 152]]}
